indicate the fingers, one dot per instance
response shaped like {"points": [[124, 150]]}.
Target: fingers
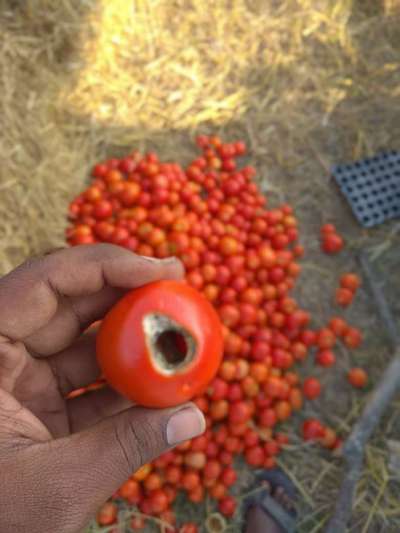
{"points": [[31, 295], [76, 366], [87, 410], [86, 468]]}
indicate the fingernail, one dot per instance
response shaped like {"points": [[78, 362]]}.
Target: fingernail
{"points": [[165, 261], [185, 424]]}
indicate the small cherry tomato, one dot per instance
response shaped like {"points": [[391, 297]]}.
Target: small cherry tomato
{"points": [[313, 429], [353, 337], [357, 377], [107, 514], [332, 243], [344, 297], [311, 388], [325, 358], [350, 281], [227, 506], [161, 344]]}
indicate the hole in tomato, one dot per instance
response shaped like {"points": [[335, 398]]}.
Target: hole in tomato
{"points": [[172, 345]]}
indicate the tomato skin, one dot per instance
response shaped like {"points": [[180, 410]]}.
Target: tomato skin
{"points": [[124, 352]]}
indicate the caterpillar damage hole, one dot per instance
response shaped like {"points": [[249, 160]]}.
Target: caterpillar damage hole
{"points": [[172, 348]]}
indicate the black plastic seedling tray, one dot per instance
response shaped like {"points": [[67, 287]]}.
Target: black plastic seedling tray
{"points": [[372, 187]]}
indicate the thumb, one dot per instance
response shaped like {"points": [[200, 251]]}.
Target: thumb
{"points": [[95, 462]]}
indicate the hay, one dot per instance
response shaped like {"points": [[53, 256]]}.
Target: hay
{"points": [[306, 82]]}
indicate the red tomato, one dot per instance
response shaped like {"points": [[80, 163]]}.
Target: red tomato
{"points": [[353, 338], [338, 326], [344, 297], [189, 527], [311, 388], [350, 281], [326, 338], [357, 377], [332, 243], [161, 344], [313, 429], [325, 358], [107, 514], [227, 506]]}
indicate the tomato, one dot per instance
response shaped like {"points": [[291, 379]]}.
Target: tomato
{"points": [[338, 326], [329, 439], [311, 388], [227, 506], [239, 412], [218, 491], [326, 338], [212, 470], [158, 501], [255, 456], [344, 297], [189, 527], [313, 429], [137, 523], [325, 358], [332, 243], [328, 228], [143, 472], [357, 377], [130, 491], [296, 399], [350, 281], [160, 345], [353, 337], [107, 514], [190, 480]]}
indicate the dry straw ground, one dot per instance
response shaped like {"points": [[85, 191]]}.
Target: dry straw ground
{"points": [[306, 82]]}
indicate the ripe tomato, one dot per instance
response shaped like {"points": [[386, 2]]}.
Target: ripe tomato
{"points": [[350, 281], [158, 500], [313, 429], [332, 243], [330, 438], [344, 297], [227, 506], [325, 358], [326, 338], [311, 388], [353, 338], [107, 514], [189, 527], [357, 377], [161, 344], [338, 326]]}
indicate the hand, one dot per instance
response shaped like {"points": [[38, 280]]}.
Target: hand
{"points": [[61, 459]]}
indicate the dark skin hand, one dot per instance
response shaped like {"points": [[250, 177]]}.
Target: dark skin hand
{"points": [[61, 459]]}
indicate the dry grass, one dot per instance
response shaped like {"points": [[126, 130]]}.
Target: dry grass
{"points": [[307, 83]]}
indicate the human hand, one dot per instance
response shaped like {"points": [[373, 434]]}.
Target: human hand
{"points": [[60, 459]]}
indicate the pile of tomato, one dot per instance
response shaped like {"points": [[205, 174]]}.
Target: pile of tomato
{"points": [[243, 256]]}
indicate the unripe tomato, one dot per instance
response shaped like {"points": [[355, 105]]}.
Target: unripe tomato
{"points": [[161, 344]]}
